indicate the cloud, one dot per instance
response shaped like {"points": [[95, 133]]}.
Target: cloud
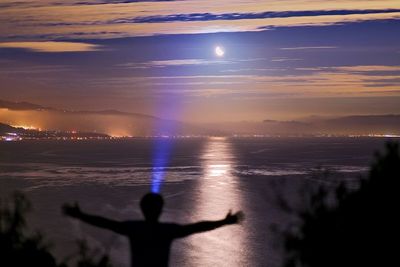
{"points": [[368, 68], [183, 62], [186, 62], [240, 16], [34, 3], [90, 19], [363, 69], [284, 59], [328, 81], [102, 2], [174, 62], [307, 47], [29, 70], [51, 46]]}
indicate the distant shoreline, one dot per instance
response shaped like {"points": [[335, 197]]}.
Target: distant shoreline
{"points": [[110, 138]]}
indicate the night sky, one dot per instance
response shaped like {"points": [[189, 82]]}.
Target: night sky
{"points": [[283, 59]]}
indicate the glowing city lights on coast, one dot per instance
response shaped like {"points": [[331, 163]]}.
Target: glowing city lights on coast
{"points": [[219, 51]]}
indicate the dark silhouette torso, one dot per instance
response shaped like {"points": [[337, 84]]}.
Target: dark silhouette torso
{"points": [[150, 242]]}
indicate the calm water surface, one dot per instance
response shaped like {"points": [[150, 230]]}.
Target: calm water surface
{"points": [[204, 179]]}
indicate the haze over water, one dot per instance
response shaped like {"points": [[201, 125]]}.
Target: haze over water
{"points": [[204, 180]]}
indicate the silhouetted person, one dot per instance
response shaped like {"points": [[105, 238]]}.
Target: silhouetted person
{"points": [[150, 240]]}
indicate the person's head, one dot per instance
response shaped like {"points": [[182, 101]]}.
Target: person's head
{"points": [[151, 205]]}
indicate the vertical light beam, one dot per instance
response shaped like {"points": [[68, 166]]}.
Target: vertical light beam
{"points": [[162, 151], [165, 130]]}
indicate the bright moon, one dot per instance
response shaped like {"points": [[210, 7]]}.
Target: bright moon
{"points": [[219, 51]]}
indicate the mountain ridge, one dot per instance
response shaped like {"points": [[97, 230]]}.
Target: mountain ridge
{"points": [[119, 123]]}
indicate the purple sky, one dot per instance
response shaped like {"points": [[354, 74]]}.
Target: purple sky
{"points": [[283, 59]]}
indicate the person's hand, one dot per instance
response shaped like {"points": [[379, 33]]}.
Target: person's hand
{"points": [[72, 210], [234, 218]]}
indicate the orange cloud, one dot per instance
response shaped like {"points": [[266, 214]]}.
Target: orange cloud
{"points": [[104, 20], [50, 46]]}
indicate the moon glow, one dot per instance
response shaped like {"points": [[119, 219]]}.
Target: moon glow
{"points": [[219, 51]]}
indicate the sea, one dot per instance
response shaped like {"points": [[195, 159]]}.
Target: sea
{"points": [[203, 179]]}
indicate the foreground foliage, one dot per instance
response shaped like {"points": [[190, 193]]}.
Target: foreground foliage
{"points": [[351, 227], [19, 247]]}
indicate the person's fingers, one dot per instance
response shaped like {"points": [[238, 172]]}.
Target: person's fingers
{"points": [[66, 208], [237, 217], [240, 216], [71, 209]]}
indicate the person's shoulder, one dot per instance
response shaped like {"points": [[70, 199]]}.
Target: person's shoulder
{"points": [[173, 230], [131, 227], [133, 223], [170, 226]]}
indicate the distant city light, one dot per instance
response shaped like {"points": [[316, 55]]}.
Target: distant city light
{"points": [[26, 127]]}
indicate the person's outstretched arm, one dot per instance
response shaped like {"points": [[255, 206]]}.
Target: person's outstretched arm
{"points": [[204, 226], [74, 211]]}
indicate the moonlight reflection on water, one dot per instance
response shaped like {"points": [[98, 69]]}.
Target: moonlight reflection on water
{"points": [[218, 192]]}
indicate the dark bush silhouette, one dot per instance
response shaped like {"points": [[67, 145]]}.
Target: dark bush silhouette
{"points": [[90, 257], [351, 227], [19, 247]]}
